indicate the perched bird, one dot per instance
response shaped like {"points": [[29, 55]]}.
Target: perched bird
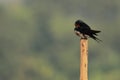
{"points": [[84, 31]]}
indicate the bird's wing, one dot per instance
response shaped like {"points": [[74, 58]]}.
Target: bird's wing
{"points": [[85, 26]]}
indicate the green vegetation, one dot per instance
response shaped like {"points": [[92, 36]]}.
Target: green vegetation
{"points": [[37, 41]]}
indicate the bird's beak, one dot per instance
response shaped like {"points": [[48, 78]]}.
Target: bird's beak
{"points": [[76, 25]]}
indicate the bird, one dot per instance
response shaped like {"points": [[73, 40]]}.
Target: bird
{"points": [[84, 31]]}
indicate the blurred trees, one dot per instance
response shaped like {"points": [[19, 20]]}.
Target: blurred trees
{"points": [[37, 41]]}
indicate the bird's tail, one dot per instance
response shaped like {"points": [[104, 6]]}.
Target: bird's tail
{"points": [[95, 32], [95, 38]]}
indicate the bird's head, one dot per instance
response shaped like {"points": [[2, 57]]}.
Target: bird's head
{"points": [[77, 23]]}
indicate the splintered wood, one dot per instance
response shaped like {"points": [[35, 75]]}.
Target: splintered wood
{"points": [[83, 59]]}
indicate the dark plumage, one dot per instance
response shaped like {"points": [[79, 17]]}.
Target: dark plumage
{"points": [[83, 30]]}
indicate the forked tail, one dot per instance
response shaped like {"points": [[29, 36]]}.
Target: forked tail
{"points": [[95, 31], [95, 38]]}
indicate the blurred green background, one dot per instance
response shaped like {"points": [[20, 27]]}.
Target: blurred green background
{"points": [[37, 41]]}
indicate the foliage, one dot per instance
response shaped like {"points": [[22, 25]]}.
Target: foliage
{"points": [[37, 41]]}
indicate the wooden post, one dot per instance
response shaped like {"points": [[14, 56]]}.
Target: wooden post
{"points": [[83, 59]]}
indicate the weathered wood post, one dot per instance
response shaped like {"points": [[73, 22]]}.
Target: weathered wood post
{"points": [[83, 59]]}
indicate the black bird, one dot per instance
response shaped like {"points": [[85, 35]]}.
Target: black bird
{"points": [[83, 30]]}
